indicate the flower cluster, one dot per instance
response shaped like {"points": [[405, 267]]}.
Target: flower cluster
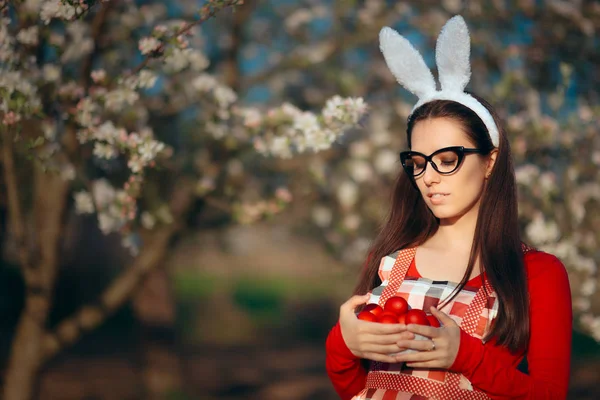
{"points": [[288, 130], [249, 212]]}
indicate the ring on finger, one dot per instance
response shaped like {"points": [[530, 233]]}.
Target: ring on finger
{"points": [[432, 346]]}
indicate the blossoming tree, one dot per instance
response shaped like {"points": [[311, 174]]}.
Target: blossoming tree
{"points": [[78, 98], [124, 118]]}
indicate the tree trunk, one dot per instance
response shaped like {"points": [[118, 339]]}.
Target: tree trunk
{"points": [[50, 195], [155, 308]]}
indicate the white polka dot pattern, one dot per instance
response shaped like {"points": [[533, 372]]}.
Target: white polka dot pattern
{"points": [[448, 390], [475, 321], [398, 273]]}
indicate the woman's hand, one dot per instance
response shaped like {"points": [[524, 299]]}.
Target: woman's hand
{"points": [[439, 351], [370, 340]]}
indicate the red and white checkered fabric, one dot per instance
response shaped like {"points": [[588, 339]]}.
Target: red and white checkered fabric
{"points": [[472, 309]]}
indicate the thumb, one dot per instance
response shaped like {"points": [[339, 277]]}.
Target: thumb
{"points": [[442, 316], [356, 301]]}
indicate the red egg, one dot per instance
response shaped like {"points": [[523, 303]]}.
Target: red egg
{"points": [[433, 321], [374, 309], [367, 316], [396, 304], [416, 316], [387, 318], [402, 319]]}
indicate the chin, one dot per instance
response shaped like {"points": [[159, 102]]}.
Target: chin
{"points": [[444, 212]]}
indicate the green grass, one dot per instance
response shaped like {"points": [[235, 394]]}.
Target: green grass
{"points": [[191, 286]]}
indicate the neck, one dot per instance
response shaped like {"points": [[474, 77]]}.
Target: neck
{"points": [[458, 232]]}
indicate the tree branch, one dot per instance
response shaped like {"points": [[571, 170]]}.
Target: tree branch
{"points": [[183, 30], [122, 288], [97, 25], [231, 68], [335, 47], [14, 205]]}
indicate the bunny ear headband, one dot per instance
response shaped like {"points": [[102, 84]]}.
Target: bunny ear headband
{"points": [[452, 58]]}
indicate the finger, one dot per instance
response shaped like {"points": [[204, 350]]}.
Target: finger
{"points": [[442, 316], [380, 357], [354, 302], [384, 329], [429, 331], [419, 356], [388, 339], [421, 345], [381, 349]]}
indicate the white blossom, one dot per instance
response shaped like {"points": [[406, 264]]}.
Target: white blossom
{"points": [[360, 171], [298, 18], [32, 6], [51, 72], [526, 174], [67, 172], [361, 149], [386, 161], [28, 36], [103, 193], [105, 151], [352, 222], [56, 9], [541, 231], [147, 45], [204, 83], [117, 99], [148, 220], [322, 216], [98, 75], [347, 194], [252, 117], [108, 223], [83, 203], [197, 60], [147, 79], [224, 96]]}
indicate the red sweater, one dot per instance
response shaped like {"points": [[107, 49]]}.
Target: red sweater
{"points": [[485, 365]]}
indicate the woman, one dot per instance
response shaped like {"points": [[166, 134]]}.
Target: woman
{"points": [[451, 247]]}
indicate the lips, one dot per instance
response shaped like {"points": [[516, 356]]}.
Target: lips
{"points": [[436, 195], [437, 198]]}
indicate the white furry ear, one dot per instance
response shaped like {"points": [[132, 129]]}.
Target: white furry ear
{"points": [[452, 53], [406, 63]]}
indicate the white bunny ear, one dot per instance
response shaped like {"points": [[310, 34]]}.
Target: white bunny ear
{"points": [[452, 53], [406, 63]]}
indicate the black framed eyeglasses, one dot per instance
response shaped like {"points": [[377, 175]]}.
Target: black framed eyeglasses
{"points": [[445, 161]]}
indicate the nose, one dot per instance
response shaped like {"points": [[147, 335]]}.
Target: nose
{"points": [[430, 175]]}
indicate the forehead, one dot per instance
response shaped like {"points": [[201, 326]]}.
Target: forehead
{"points": [[435, 133]]}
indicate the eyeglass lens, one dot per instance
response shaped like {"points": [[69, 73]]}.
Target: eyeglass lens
{"points": [[445, 162]]}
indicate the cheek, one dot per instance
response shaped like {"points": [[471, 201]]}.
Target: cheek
{"points": [[469, 185]]}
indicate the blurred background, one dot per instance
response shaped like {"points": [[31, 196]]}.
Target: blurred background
{"points": [[189, 188]]}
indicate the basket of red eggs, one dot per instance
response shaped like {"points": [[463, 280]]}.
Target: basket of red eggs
{"points": [[397, 311]]}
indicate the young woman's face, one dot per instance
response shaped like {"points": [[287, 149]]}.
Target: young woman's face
{"points": [[449, 196]]}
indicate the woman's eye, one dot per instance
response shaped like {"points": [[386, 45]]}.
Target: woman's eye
{"points": [[449, 162]]}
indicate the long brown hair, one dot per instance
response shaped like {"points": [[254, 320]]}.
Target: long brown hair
{"points": [[497, 240]]}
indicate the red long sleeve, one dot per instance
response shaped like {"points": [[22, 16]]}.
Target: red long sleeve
{"points": [[549, 351], [344, 369]]}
